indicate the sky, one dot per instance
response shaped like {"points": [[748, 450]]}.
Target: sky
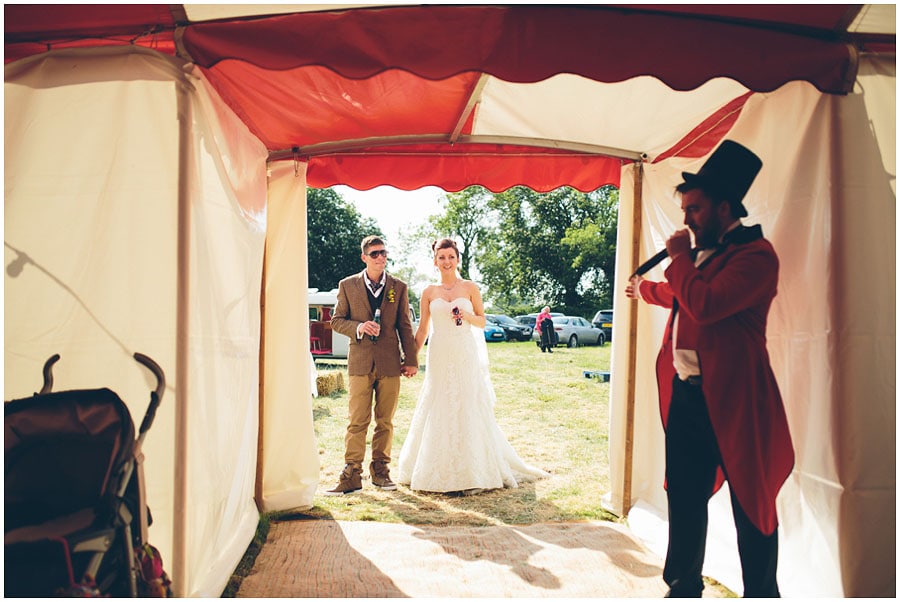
{"points": [[395, 209]]}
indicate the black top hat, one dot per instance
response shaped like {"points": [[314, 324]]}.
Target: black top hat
{"points": [[726, 175]]}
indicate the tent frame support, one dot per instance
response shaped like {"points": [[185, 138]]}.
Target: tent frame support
{"points": [[345, 147], [261, 411], [474, 99], [182, 347], [636, 217]]}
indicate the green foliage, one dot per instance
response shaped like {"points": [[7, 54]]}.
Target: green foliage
{"points": [[466, 219], [555, 248], [527, 249], [334, 230]]}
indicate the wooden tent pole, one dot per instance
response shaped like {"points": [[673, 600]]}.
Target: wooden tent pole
{"points": [[636, 218], [182, 347], [261, 410]]}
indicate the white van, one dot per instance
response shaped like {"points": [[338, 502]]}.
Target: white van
{"points": [[323, 341]]}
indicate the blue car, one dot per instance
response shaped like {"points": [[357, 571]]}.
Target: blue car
{"points": [[492, 332]]}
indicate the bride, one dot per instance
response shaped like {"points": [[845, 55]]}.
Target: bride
{"points": [[454, 444]]}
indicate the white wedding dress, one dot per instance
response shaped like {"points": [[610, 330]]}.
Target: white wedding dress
{"points": [[454, 442]]}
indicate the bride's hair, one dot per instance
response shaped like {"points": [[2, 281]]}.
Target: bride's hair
{"points": [[444, 243]]}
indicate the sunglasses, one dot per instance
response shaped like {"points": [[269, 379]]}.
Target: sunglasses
{"points": [[377, 254]]}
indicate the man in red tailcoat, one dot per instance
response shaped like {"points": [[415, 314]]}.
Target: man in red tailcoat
{"points": [[720, 405]]}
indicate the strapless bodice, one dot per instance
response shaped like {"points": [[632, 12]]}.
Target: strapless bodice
{"points": [[441, 318]]}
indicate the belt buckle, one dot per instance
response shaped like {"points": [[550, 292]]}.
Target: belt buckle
{"points": [[694, 381]]}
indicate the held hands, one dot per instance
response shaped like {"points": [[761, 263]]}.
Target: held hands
{"points": [[408, 371], [678, 243]]}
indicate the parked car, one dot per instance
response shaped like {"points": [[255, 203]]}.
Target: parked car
{"points": [[492, 332], [603, 320], [574, 331], [514, 331]]}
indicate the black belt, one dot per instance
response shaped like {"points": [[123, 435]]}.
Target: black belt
{"points": [[694, 381]]}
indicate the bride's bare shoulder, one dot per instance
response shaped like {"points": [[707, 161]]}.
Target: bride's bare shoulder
{"points": [[471, 288]]}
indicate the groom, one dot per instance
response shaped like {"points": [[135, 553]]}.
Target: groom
{"points": [[374, 366]]}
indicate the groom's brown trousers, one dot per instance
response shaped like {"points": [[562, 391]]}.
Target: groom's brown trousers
{"points": [[387, 391]]}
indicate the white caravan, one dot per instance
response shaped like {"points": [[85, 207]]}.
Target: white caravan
{"points": [[323, 341]]}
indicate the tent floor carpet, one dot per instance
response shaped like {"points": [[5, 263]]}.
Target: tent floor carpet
{"points": [[360, 559]]}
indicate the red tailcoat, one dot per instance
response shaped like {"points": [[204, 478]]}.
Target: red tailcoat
{"points": [[722, 309]]}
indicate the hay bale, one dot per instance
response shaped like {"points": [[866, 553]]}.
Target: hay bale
{"points": [[329, 382]]}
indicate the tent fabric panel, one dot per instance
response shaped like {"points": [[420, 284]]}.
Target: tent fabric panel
{"points": [[876, 84], [824, 17], [227, 196], [701, 141], [290, 458], [526, 44], [818, 349], [97, 237], [25, 22], [575, 109], [161, 42], [455, 167], [312, 105], [863, 250], [35, 28]]}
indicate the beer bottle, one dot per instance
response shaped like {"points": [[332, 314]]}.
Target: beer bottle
{"points": [[377, 321]]}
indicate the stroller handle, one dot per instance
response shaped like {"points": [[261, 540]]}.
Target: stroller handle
{"points": [[48, 374], [155, 369], [140, 357], [155, 396]]}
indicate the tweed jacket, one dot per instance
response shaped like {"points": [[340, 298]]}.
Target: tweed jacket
{"points": [[723, 308], [395, 347]]}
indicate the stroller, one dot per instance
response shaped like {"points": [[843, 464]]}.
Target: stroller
{"points": [[75, 512]]}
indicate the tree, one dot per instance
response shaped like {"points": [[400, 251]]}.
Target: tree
{"points": [[556, 248], [465, 219], [334, 230]]}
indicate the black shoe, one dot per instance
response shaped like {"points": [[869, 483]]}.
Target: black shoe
{"points": [[682, 589]]}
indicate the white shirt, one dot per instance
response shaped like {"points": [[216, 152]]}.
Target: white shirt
{"points": [[371, 284]]}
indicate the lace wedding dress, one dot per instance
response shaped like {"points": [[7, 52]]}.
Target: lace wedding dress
{"points": [[454, 442]]}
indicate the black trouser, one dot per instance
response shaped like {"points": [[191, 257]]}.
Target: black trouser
{"points": [[692, 456]]}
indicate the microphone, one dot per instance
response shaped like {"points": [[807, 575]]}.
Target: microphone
{"points": [[650, 263]]}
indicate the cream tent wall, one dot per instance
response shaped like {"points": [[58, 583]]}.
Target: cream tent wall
{"points": [[135, 220], [826, 199]]}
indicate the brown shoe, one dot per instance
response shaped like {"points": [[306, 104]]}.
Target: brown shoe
{"points": [[350, 481], [381, 476]]}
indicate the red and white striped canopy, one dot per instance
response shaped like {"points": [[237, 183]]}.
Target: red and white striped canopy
{"points": [[495, 95]]}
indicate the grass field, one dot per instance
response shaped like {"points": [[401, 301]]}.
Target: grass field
{"points": [[553, 416]]}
